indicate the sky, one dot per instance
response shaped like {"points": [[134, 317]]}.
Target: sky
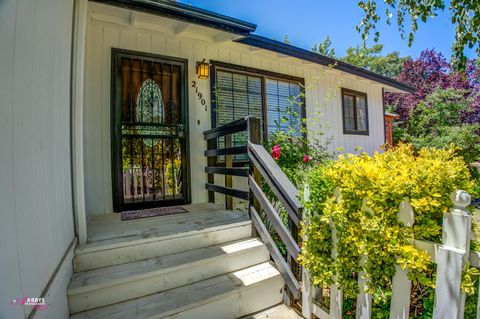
{"points": [[307, 22]]}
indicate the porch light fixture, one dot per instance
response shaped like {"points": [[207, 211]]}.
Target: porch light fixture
{"points": [[203, 69]]}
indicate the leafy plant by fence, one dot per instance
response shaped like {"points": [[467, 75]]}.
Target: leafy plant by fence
{"points": [[375, 224]]}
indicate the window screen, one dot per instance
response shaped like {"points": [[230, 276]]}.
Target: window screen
{"points": [[283, 106]]}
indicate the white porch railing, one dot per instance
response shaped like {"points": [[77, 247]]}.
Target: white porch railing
{"points": [[133, 183], [450, 256]]}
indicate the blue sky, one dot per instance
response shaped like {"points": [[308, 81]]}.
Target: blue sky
{"points": [[307, 22]]}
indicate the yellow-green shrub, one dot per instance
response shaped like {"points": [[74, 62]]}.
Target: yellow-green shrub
{"points": [[384, 180]]}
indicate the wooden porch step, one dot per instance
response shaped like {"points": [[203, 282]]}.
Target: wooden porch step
{"points": [[153, 237], [227, 296], [110, 285], [276, 312]]}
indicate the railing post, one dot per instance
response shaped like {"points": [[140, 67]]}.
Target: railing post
{"points": [[292, 261], [364, 300], [253, 130], [211, 162], [452, 257], [228, 178], [336, 295], [309, 291], [401, 285]]}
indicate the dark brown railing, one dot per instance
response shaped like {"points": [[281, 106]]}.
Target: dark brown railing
{"points": [[261, 165]]}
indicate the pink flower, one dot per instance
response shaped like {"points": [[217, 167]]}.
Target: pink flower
{"points": [[306, 158], [276, 152]]}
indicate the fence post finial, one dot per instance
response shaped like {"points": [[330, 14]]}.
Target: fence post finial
{"points": [[460, 199]]}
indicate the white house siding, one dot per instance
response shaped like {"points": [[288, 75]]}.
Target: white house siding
{"points": [[104, 32], [36, 226]]}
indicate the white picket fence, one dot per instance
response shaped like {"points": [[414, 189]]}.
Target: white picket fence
{"points": [[136, 182], [450, 256]]}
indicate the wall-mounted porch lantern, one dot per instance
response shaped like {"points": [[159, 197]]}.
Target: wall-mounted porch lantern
{"points": [[203, 69]]}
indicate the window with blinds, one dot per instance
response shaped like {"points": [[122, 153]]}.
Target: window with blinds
{"points": [[238, 95], [275, 102], [355, 112]]}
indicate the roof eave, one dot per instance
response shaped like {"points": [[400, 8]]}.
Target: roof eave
{"points": [[283, 48], [183, 12]]}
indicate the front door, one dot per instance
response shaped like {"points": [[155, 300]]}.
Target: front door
{"points": [[149, 124]]}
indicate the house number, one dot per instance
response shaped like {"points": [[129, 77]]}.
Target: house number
{"points": [[199, 95]]}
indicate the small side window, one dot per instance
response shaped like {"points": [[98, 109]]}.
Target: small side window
{"points": [[355, 112]]}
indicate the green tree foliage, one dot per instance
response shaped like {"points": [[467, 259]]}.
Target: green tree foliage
{"points": [[437, 122], [324, 48], [465, 17], [371, 58]]}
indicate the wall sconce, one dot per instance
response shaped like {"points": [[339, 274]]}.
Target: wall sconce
{"points": [[202, 69]]}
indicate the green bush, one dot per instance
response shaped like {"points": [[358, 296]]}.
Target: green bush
{"points": [[296, 150], [365, 216], [437, 122]]}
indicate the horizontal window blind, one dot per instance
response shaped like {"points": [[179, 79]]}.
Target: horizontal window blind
{"points": [[237, 96]]}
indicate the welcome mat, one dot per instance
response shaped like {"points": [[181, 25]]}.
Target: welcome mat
{"points": [[152, 212]]}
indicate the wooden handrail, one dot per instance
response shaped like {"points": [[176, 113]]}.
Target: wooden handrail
{"points": [[282, 231], [230, 128], [279, 183], [227, 191], [283, 267], [234, 171], [227, 151], [261, 165]]}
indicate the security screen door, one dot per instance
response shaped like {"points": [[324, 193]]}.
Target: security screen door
{"points": [[149, 131]]}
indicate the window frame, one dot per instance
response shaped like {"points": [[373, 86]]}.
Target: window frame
{"points": [[263, 75], [355, 94]]}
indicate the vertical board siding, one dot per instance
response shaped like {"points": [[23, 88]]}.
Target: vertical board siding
{"points": [[322, 97], [111, 38], [35, 175], [10, 277], [94, 179]]}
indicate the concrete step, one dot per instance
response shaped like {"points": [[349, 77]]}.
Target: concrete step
{"points": [[227, 296], [191, 236], [110, 285]]}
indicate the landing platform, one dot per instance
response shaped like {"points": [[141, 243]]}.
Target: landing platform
{"points": [[109, 228]]}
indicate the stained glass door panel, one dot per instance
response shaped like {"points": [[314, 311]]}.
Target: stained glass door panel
{"points": [[150, 132]]}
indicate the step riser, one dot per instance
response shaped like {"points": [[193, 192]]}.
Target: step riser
{"points": [[121, 255], [228, 296], [167, 279], [245, 301]]}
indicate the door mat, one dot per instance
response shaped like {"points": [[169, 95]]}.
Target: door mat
{"points": [[152, 212]]}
